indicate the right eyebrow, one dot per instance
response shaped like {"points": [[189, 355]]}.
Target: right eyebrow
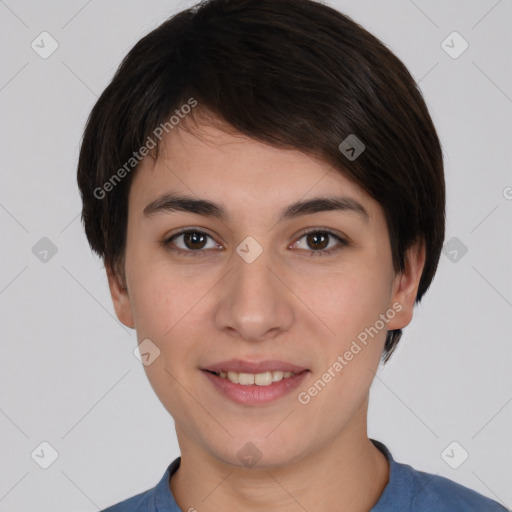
{"points": [[179, 203]]}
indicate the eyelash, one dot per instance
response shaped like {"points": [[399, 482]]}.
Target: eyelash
{"points": [[167, 243]]}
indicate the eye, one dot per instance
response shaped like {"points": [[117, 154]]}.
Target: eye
{"points": [[189, 242], [318, 240]]}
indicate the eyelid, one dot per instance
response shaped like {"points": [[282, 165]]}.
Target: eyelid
{"points": [[321, 229], [167, 242], [343, 241]]}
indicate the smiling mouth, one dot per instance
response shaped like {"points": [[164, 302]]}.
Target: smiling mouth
{"points": [[249, 379]]}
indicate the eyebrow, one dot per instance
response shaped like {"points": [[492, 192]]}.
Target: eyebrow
{"points": [[180, 203]]}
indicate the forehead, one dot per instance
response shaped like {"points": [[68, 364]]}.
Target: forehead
{"points": [[219, 163]]}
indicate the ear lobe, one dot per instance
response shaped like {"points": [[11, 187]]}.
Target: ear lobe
{"points": [[120, 298], [405, 286]]}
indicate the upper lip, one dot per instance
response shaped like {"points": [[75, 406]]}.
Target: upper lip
{"points": [[241, 366]]}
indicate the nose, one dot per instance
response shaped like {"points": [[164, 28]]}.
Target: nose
{"points": [[256, 304]]}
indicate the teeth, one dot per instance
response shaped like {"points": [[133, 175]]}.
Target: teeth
{"points": [[233, 377], [260, 379], [277, 376], [263, 379], [246, 379]]}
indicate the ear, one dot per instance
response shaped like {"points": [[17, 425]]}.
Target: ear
{"points": [[405, 286], [120, 297]]}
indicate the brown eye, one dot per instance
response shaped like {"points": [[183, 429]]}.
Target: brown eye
{"points": [[194, 240], [191, 242], [318, 242]]}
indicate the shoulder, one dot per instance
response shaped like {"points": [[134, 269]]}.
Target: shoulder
{"points": [[157, 498], [411, 490], [139, 503], [435, 492]]}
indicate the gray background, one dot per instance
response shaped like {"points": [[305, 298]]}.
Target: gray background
{"points": [[68, 373]]}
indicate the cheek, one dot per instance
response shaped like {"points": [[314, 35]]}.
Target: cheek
{"points": [[349, 303], [166, 312], [347, 300], [169, 310], [160, 297]]}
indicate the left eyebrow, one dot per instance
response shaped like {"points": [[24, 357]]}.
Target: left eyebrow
{"points": [[172, 203], [324, 204]]}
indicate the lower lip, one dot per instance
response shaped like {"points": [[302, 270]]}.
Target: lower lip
{"points": [[254, 394]]}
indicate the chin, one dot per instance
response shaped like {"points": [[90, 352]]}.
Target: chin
{"points": [[259, 451]]}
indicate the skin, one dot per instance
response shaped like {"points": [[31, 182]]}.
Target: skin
{"points": [[287, 305]]}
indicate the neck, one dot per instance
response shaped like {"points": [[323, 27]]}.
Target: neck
{"points": [[349, 470]]}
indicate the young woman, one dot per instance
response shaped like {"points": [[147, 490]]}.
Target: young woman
{"points": [[265, 186]]}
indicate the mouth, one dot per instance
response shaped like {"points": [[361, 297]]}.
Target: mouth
{"points": [[258, 379], [254, 383]]}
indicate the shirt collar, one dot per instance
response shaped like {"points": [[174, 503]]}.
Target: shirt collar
{"points": [[399, 479]]}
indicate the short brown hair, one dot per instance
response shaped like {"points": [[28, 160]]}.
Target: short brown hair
{"points": [[290, 73]]}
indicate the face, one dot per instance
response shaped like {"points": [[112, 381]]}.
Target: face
{"points": [[244, 282]]}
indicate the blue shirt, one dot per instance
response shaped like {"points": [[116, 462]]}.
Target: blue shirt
{"points": [[407, 490]]}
